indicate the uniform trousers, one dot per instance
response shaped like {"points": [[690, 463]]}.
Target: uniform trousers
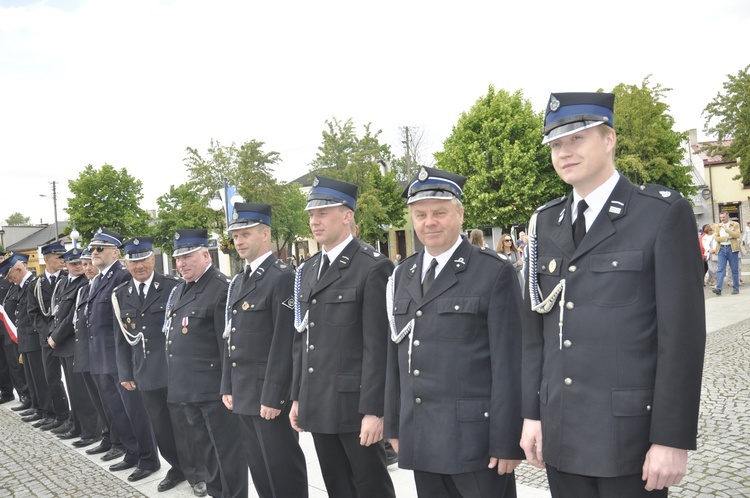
{"points": [[215, 429], [155, 401], [15, 376], [53, 375], [727, 256], [277, 463], [33, 366], [85, 419], [130, 420], [564, 485], [351, 470], [104, 426], [191, 458], [485, 483]]}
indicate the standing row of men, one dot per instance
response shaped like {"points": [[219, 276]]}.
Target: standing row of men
{"points": [[597, 373]]}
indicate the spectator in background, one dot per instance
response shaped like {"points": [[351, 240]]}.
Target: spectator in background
{"points": [[476, 237], [507, 249]]}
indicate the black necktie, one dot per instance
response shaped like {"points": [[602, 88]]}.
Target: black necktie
{"points": [[579, 227], [142, 291], [429, 277], [323, 266], [53, 281]]}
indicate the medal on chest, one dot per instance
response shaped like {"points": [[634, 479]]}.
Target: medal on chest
{"points": [[185, 325]]}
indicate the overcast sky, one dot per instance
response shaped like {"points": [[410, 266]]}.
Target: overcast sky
{"points": [[133, 83]]}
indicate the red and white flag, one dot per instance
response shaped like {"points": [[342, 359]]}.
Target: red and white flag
{"points": [[9, 325]]}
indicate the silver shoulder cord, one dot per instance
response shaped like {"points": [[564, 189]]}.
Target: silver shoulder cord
{"points": [[228, 315], [168, 313], [301, 324], [132, 339], [40, 296], [397, 336], [79, 300], [545, 306]]}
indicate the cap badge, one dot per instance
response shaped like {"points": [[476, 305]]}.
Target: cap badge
{"points": [[316, 182], [423, 174], [136, 242], [235, 215], [76, 252], [100, 230], [176, 236], [554, 104]]}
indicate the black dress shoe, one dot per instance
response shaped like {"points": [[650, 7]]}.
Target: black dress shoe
{"points": [[44, 421], [33, 418], [102, 448], [52, 425], [25, 405], [199, 489], [68, 435], [121, 466], [114, 453], [139, 474], [166, 484], [30, 411], [85, 441], [6, 397], [65, 427]]}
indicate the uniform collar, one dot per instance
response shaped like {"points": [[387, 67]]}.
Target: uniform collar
{"points": [[442, 258], [255, 264], [337, 250], [595, 200]]}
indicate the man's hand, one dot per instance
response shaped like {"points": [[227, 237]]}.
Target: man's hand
{"points": [[531, 442], [293, 415], [394, 444], [227, 400], [128, 384], [269, 413], [51, 342], [664, 466], [503, 466], [371, 431]]}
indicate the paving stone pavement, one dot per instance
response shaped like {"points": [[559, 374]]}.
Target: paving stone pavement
{"points": [[36, 464]]}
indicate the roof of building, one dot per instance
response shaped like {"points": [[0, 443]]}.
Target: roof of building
{"points": [[713, 160], [44, 235]]}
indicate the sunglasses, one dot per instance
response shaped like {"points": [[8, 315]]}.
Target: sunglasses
{"points": [[508, 240], [98, 249]]}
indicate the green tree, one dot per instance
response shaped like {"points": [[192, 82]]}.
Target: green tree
{"points": [[648, 149], [17, 219], [345, 156], [249, 168], [497, 146], [728, 117], [106, 197], [183, 207]]}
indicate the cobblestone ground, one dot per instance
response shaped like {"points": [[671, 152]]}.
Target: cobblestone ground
{"points": [[34, 464], [721, 465]]}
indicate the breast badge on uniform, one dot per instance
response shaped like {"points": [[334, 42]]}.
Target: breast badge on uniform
{"points": [[552, 266], [245, 306], [289, 303]]}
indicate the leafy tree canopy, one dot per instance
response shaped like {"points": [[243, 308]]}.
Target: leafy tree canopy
{"points": [[497, 146], [648, 149], [17, 219], [106, 197], [345, 156], [248, 168], [728, 118]]}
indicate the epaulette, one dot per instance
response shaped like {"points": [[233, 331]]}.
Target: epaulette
{"points": [[280, 265], [172, 277], [370, 251], [553, 202], [120, 286], [659, 192], [487, 251]]}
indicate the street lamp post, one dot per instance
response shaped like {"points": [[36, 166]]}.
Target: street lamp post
{"points": [[74, 235], [228, 197], [54, 204]]}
